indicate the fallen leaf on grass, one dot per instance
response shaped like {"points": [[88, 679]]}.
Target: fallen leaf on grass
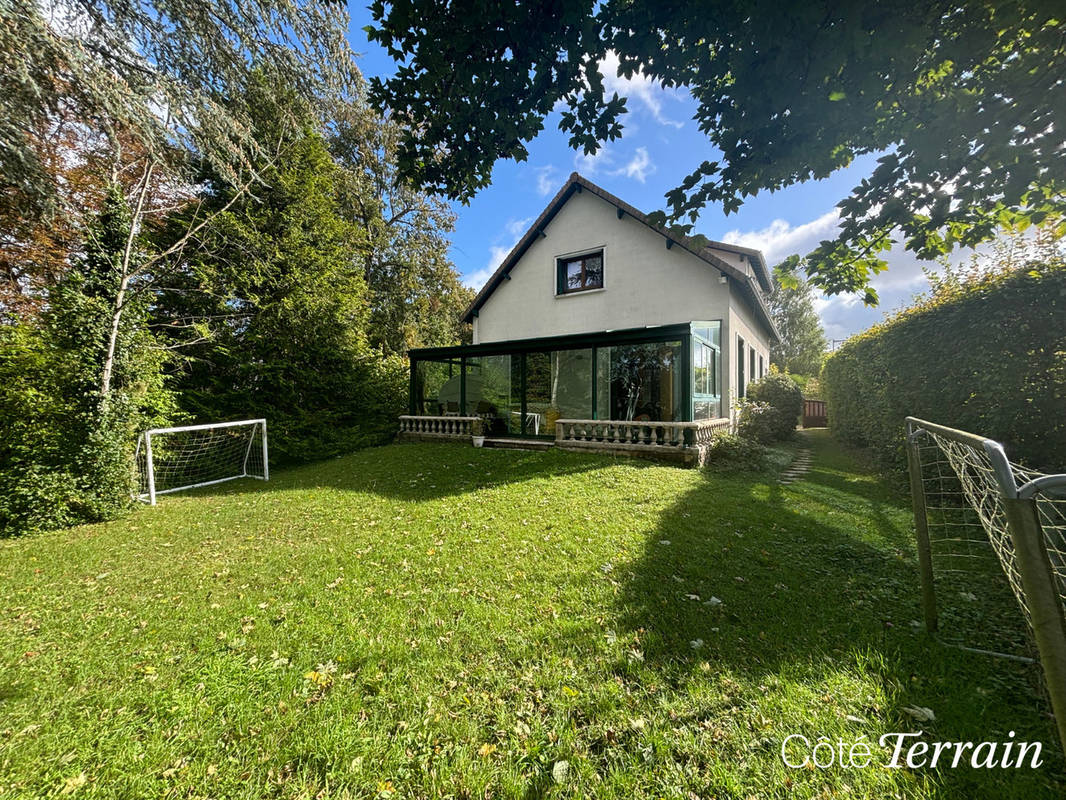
{"points": [[72, 785], [322, 679], [560, 771], [920, 713]]}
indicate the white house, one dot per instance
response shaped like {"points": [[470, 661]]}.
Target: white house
{"points": [[597, 315]]}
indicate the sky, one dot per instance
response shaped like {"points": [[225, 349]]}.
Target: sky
{"points": [[660, 145]]}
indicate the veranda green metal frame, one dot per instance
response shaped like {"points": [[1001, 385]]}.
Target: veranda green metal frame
{"points": [[459, 355]]}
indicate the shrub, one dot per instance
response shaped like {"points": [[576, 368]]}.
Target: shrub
{"points": [[784, 397], [812, 388], [756, 422], [734, 453], [65, 456], [986, 354]]}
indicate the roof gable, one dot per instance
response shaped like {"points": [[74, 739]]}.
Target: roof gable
{"points": [[703, 251]]}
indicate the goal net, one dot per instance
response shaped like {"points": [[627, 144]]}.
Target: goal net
{"points": [[963, 485], [185, 457]]}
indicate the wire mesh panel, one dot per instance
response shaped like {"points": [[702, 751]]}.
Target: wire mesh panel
{"points": [[969, 534], [1051, 510], [172, 459], [970, 547], [992, 549]]}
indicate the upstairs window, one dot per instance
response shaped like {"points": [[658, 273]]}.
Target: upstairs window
{"points": [[580, 273]]}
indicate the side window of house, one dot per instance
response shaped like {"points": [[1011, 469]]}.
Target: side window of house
{"points": [[742, 389], [762, 368], [579, 273], [751, 356]]}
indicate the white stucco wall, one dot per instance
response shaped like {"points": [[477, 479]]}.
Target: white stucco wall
{"points": [[644, 283], [741, 323]]}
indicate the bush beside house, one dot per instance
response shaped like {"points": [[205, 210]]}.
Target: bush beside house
{"points": [[985, 354], [771, 409], [784, 396]]}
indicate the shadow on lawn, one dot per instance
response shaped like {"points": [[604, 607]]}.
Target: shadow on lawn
{"points": [[418, 472], [804, 588]]}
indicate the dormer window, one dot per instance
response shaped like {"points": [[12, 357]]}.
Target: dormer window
{"points": [[579, 273]]}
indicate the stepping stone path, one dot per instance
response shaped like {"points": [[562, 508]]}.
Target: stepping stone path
{"points": [[800, 464]]}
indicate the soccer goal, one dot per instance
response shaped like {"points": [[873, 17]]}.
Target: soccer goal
{"points": [[991, 541], [188, 456]]}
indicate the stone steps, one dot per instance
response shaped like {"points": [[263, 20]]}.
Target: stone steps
{"points": [[800, 464], [519, 444]]}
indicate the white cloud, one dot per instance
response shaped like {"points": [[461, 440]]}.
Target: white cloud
{"points": [[515, 228], [606, 161], [475, 280], [638, 167], [648, 94], [504, 244], [546, 182], [844, 315], [591, 164], [779, 239]]}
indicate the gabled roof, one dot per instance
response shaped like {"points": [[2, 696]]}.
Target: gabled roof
{"points": [[701, 249]]}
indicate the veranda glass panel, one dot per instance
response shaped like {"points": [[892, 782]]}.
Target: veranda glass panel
{"points": [[437, 387], [706, 402], [603, 383], [644, 380], [558, 386], [571, 385], [492, 393], [539, 386], [710, 331]]}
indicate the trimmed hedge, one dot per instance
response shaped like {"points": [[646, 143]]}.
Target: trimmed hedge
{"points": [[986, 355]]}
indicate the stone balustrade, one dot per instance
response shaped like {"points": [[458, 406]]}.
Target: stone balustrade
{"points": [[685, 443], [418, 427], [707, 429], [636, 433]]}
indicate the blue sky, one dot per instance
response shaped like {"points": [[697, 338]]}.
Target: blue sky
{"points": [[661, 145]]}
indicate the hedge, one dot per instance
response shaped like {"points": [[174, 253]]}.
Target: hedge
{"points": [[986, 355]]}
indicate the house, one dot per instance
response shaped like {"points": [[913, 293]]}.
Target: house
{"points": [[601, 330]]}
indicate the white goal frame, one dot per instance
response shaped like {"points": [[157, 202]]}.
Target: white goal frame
{"points": [[146, 438]]}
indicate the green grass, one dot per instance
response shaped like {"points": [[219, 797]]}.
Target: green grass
{"points": [[431, 621]]}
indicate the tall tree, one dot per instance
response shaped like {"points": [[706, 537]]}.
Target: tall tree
{"points": [[269, 307], [963, 99], [157, 72], [803, 344], [37, 252], [415, 295], [66, 453]]}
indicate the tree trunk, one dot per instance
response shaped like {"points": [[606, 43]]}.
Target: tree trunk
{"points": [[120, 295]]}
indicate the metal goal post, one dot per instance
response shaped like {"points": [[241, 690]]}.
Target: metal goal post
{"points": [[1023, 515], [191, 456]]}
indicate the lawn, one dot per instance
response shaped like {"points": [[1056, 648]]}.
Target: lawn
{"points": [[438, 621]]}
